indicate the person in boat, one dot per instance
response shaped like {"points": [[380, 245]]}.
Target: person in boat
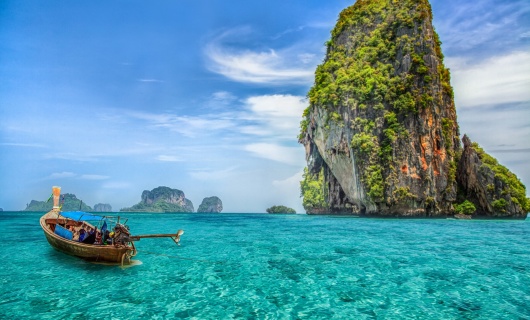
{"points": [[75, 236], [82, 235], [98, 238], [91, 237]]}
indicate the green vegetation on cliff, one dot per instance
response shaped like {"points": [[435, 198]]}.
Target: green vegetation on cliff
{"points": [[162, 199], [211, 205], [465, 207], [313, 191], [158, 206], [512, 186], [359, 71], [280, 209]]}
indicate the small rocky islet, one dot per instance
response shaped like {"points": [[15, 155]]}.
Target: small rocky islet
{"points": [[279, 209], [165, 199], [158, 200]]}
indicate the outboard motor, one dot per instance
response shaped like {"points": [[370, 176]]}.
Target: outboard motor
{"points": [[121, 235]]}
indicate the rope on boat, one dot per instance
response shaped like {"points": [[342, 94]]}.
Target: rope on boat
{"points": [[181, 258]]}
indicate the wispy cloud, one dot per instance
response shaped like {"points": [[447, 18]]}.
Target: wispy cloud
{"points": [[288, 31], [73, 175], [211, 174], [265, 66], [275, 152], [23, 145], [496, 80], [289, 184], [168, 158], [116, 185], [474, 25], [275, 116], [511, 150], [189, 126], [61, 175], [150, 80], [93, 177]]}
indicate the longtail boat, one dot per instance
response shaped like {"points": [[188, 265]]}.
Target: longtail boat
{"points": [[92, 237]]}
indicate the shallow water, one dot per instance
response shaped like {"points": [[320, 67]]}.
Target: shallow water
{"points": [[259, 266]]}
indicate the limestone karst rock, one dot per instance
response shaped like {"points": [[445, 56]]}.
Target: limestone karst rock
{"points": [[492, 188], [102, 207], [211, 205], [381, 133], [162, 199]]}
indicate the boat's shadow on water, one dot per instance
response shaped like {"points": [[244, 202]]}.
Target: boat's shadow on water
{"points": [[64, 259]]}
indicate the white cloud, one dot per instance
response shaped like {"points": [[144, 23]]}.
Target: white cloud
{"points": [[275, 115], [168, 158], [24, 145], [468, 25], [189, 126], [93, 177], [306, 57], [150, 80], [270, 66], [223, 96], [496, 80], [291, 183], [62, 175], [116, 185], [289, 188], [209, 174], [275, 152]]}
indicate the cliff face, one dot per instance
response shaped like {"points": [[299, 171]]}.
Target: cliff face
{"points": [[162, 199], [381, 126], [381, 134], [211, 205]]}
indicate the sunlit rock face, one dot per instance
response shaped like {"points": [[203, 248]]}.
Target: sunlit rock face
{"points": [[381, 124], [381, 134]]}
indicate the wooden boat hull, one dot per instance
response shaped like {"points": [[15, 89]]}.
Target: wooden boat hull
{"points": [[101, 253]]}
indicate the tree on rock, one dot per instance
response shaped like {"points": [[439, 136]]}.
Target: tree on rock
{"points": [[281, 209]]}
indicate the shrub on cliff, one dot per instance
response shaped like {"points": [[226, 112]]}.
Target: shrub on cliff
{"points": [[313, 190], [512, 185], [465, 207]]}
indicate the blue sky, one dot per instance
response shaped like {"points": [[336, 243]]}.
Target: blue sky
{"points": [[110, 98]]}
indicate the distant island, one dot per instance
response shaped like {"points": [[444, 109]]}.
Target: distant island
{"points": [[1, 209], [211, 205], [102, 207], [71, 203], [281, 210], [162, 199]]}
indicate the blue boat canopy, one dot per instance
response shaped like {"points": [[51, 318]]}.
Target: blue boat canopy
{"points": [[81, 216]]}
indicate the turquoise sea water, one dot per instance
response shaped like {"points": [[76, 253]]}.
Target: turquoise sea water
{"points": [[258, 266]]}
